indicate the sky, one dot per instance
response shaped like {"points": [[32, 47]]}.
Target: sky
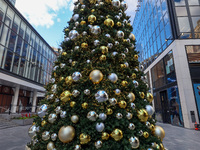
{"points": [[50, 17]]}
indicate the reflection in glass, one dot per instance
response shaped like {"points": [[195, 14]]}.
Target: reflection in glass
{"points": [[15, 64], [181, 11], [21, 67], [179, 2], [8, 60], [2, 50], [12, 40], [193, 2], [196, 26], [196, 87], [25, 49], [195, 10], [21, 32], [193, 53], [184, 25], [19, 45]]}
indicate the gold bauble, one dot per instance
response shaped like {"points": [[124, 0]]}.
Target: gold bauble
{"points": [[124, 83], [159, 131], [157, 147], [142, 115], [81, 1], [84, 45], [132, 36], [93, 1], [96, 76], [133, 75], [74, 118], [108, 16], [65, 96], [104, 49], [152, 127], [85, 105], [108, 1], [146, 134], [142, 94], [109, 111], [69, 80], [105, 136], [61, 78], [92, 18], [83, 22], [103, 57], [129, 24], [117, 134], [124, 40], [74, 63], [119, 24], [123, 65], [50, 146], [82, 10], [64, 53], [136, 56], [122, 104], [131, 97], [72, 103], [93, 10], [66, 134], [109, 22], [149, 97], [43, 123], [66, 29], [161, 147], [84, 138]]}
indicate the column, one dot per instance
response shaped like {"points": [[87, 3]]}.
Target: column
{"points": [[15, 100], [34, 100]]}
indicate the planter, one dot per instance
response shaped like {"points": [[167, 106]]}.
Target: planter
{"points": [[22, 122]]}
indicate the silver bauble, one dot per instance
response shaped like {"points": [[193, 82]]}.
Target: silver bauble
{"points": [[119, 116], [108, 35], [77, 147], [116, 3], [135, 83], [110, 45], [98, 144], [118, 17], [116, 43], [92, 115], [114, 53], [113, 101], [50, 96], [76, 76], [101, 96], [113, 77], [87, 92], [73, 34], [45, 135], [74, 28], [96, 5], [58, 109], [100, 127], [126, 50], [83, 6], [129, 115], [117, 91], [123, 55], [41, 111], [32, 131], [93, 50], [131, 126], [149, 148], [124, 5], [141, 67], [52, 118], [140, 133], [90, 26], [96, 30], [75, 17], [84, 33], [88, 61], [75, 93], [76, 23], [96, 42], [67, 39], [70, 61], [150, 110], [148, 124], [54, 88], [57, 100], [54, 68], [101, 3], [38, 129], [120, 34], [132, 46], [75, 6], [125, 21], [52, 80], [74, 118], [132, 105], [102, 116], [63, 114], [62, 65], [134, 141], [53, 136], [126, 63], [120, 14]]}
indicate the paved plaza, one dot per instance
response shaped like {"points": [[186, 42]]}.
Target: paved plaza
{"points": [[176, 138]]}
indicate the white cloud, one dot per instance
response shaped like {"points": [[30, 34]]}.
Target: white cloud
{"points": [[41, 12], [131, 8], [58, 20]]}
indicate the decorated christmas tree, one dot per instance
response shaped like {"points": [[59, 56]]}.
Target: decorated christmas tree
{"points": [[97, 97]]}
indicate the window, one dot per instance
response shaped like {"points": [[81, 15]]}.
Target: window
{"points": [[15, 64], [184, 25], [21, 68], [8, 60], [181, 11], [193, 2], [2, 50], [12, 40], [179, 2], [19, 45], [193, 53], [195, 10]]}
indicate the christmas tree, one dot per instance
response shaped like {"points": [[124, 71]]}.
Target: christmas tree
{"points": [[97, 97]]}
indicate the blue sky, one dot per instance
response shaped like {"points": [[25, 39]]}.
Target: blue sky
{"points": [[50, 17]]}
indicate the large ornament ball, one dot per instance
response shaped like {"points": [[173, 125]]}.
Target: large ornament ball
{"points": [[66, 134], [113, 77], [150, 110], [117, 134], [74, 119], [42, 110], [122, 104], [105, 136], [116, 3], [102, 116], [73, 34], [92, 18], [77, 147], [109, 22], [101, 96], [69, 80], [113, 101], [52, 118], [131, 97], [146, 134], [76, 76], [100, 127], [45, 135], [104, 49], [75, 17], [65, 96], [149, 97], [120, 34], [124, 5], [92, 115], [50, 146], [134, 141], [96, 30], [53, 136], [96, 76], [32, 131], [84, 45], [84, 138], [159, 131], [132, 36], [142, 115], [98, 144], [109, 111]]}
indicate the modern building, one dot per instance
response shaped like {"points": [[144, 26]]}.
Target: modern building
{"points": [[13, 2], [168, 39], [26, 61]]}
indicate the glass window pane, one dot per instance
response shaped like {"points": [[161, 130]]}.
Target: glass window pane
{"points": [[25, 49], [15, 64], [195, 10], [193, 2], [12, 40], [179, 2], [2, 50], [5, 35], [193, 53], [21, 68], [8, 60], [181, 11], [196, 24], [1, 18], [21, 32], [184, 25], [19, 45]]}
